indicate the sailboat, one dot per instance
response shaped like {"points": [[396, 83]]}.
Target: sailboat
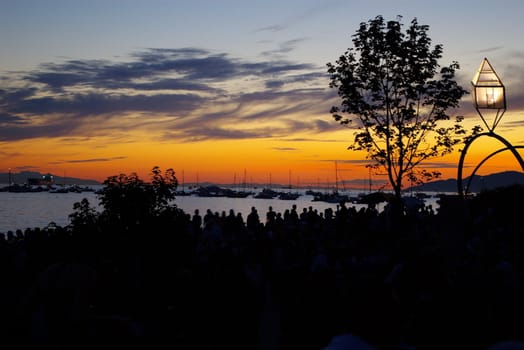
{"points": [[334, 196], [289, 195], [267, 193], [182, 192], [238, 193]]}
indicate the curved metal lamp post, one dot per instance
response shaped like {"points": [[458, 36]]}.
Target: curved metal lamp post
{"points": [[488, 94], [482, 162]]}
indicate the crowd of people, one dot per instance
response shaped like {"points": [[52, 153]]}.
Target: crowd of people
{"points": [[302, 279]]}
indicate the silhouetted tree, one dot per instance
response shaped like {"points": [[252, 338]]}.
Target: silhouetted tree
{"points": [[128, 201], [83, 215], [390, 85]]}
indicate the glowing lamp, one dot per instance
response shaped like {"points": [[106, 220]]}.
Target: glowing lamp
{"points": [[488, 95], [489, 92]]}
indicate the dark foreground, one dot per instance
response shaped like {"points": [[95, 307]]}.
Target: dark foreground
{"points": [[292, 280]]}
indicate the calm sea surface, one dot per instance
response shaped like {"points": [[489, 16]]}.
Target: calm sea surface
{"points": [[38, 209]]}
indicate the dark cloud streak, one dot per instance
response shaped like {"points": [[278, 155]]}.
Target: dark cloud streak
{"points": [[68, 98], [92, 160]]}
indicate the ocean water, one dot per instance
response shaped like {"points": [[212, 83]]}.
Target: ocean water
{"points": [[38, 209]]}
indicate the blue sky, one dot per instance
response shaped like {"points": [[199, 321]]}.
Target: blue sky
{"points": [[80, 69], [39, 31]]}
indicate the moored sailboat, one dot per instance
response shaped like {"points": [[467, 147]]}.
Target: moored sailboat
{"points": [[334, 196]]}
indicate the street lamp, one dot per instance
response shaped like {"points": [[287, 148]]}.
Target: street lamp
{"points": [[488, 94]]}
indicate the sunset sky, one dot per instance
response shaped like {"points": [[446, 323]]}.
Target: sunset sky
{"points": [[219, 89]]}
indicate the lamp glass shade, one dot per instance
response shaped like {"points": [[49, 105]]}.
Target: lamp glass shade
{"points": [[488, 90], [489, 97]]}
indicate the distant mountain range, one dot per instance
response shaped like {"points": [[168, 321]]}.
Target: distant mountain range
{"points": [[478, 183], [21, 178]]}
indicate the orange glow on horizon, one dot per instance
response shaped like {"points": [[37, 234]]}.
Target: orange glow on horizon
{"points": [[310, 161], [227, 162]]}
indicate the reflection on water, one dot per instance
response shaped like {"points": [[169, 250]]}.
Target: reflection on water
{"points": [[38, 209]]}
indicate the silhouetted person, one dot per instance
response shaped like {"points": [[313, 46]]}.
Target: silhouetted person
{"points": [[253, 220], [197, 221]]}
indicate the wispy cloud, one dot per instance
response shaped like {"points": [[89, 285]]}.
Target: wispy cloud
{"points": [[491, 49], [272, 28], [304, 15], [286, 149], [91, 160], [189, 93], [283, 48]]}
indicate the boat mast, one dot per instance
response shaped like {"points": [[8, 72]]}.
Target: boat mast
{"points": [[336, 177], [369, 179]]}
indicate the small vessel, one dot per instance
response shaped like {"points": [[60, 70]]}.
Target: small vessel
{"points": [[183, 191], [288, 195], [267, 193], [238, 193], [334, 196]]}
